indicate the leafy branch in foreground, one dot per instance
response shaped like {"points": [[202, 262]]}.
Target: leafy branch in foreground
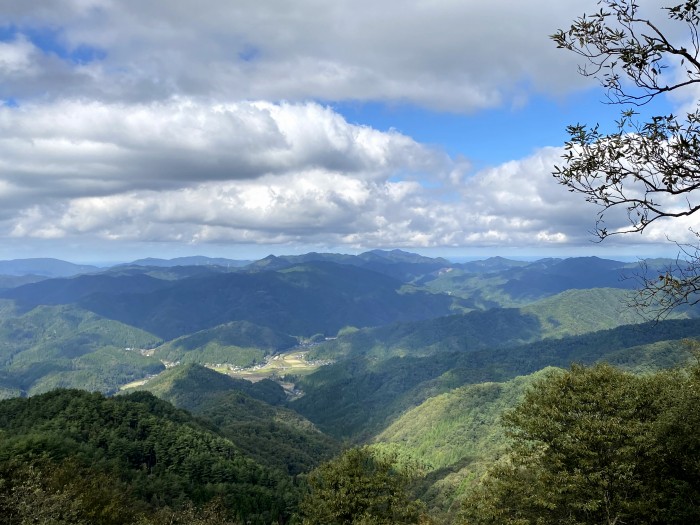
{"points": [[643, 171]]}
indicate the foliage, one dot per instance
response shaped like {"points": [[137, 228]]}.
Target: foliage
{"points": [[65, 346], [273, 436], [358, 397], [163, 456], [649, 170], [359, 487], [213, 513], [47, 493], [598, 446], [457, 424], [50, 493], [453, 437], [242, 411]]}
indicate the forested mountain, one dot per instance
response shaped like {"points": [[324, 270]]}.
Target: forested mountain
{"points": [[300, 300], [19, 272], [455, 436], [416, 356], [239, 343], [569, 313], [157, 455], [398, 264], [13, 281], [191, 385], [359, 396], [76, 289], [65, 346], [506, 284], [250, 415]]}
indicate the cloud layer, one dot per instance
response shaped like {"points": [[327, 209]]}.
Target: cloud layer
{"points": [[257, 172], [131, 121], [458, 56]]}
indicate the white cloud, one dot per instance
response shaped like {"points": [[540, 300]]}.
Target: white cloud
{"points": [[516, 204], [16, 58], [179, 130], [73, 149], [257, 173], [450, 55]]}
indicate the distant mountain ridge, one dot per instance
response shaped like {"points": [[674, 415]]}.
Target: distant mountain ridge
{"points": [[399, 264], [45, 267], [505, 284], [74, 289], [196, 260], [405, 305], [316, 297], [491, 264]]}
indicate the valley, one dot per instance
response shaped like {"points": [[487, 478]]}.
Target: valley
{"points": [[285, 362], [283, 368]]}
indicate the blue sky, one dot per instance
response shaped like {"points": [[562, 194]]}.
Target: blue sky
{"points": [[490, 136], [130, 129]]}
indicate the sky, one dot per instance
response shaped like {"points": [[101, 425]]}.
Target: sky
{"points": [[242, 128]]}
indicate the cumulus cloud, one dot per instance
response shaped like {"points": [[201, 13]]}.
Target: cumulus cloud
{"points": [[352, 203], [71, 149], [16, 58], [196, 124], [260, 173], [458, 56]]}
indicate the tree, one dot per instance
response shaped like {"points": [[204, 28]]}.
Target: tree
{"points": [[44, 492], [598, 446], [359, 488], [647, 169]]}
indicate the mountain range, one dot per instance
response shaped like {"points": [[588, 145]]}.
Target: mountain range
{"points": [[415, 356]]}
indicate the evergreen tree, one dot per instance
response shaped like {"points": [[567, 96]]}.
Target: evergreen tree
{"points": [[598, 446], [359, 488]]}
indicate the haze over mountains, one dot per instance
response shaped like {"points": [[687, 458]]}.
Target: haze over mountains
{"points": [[417, 356]]}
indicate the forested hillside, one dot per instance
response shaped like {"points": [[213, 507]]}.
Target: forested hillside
{"points": [[239, 343], [252, 415], [398, 355], [154, 456], [66, 346]]}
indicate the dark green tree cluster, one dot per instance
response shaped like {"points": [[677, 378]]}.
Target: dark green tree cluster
{"points": [[160, 456], [359, 488], [49, 493], [598, 446], [245, 413]]}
